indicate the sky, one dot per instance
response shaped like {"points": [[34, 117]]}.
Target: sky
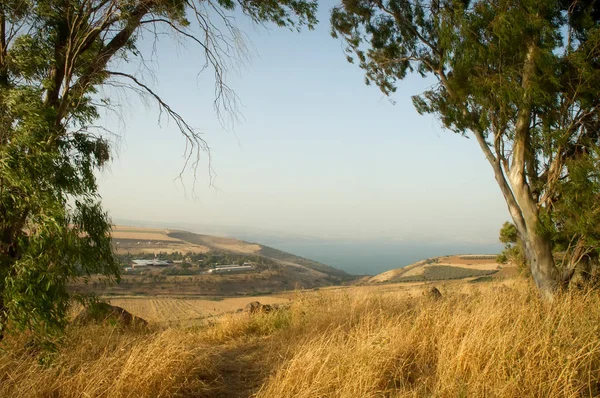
{"points": [[314, 153]]}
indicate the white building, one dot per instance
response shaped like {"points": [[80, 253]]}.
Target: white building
{"points": [[230, 269], [150, 263]]}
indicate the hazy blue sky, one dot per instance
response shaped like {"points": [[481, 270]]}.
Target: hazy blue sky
{"points": [[317, 153]]}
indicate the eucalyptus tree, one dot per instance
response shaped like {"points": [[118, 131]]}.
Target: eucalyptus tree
{"points": [[55, 56], [520, 76]]}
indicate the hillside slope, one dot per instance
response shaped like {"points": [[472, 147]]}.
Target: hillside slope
{"points": [[291, 258], [442, 268], [241, 247], [276, 270]]}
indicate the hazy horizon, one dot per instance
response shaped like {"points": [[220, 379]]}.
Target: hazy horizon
{"points": [[315, 153], [355, 256]]}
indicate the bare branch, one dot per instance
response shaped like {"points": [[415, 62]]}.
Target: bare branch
{"points": [[194, 142]]}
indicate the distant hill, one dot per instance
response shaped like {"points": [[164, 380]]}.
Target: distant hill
{"points": [[441, 268], [238, 246], [278, 272], [282, 256]]}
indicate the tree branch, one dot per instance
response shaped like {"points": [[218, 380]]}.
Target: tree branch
{"points": [[513, 206], [3, 48], [195, 143], [517, 168], [115, 44]]}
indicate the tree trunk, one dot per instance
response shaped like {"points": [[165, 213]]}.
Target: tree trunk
{"points": [[3, 317], [538, 246], [525, 215], [538, 250]]}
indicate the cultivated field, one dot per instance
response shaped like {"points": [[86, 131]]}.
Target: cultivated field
{"points": [[143, 235], [181, 310], [467, 262], [441, 268], [166, 310], [136, 240]]}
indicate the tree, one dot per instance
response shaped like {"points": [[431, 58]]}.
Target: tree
{"points": [[55, 56], [520, 76], [513, 248]]}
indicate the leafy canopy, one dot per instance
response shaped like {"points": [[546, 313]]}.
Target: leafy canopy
{"points": [[54, 57], [521, 77]]}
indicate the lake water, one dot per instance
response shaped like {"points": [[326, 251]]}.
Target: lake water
{"points": [[374, 257]]}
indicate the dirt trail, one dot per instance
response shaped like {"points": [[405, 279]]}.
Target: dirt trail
{"points": [[241, 370]]}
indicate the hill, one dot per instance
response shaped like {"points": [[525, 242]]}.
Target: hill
{"points": [[148, 240], [287, 258], [443, 268], [231, 245], [195, 255]]}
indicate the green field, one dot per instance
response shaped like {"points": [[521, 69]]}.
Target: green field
{"points": [[444, 272]]}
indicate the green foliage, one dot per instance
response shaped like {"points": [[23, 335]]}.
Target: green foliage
{"points": [[54, 57], [514, 251], [577, 215], [521, 77], [508, 233], [180, 271]]}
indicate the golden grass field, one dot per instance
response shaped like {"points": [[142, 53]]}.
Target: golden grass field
{"points": [[493, 339], [145, 236], [166, 310]]}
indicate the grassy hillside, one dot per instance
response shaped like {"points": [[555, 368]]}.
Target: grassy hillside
{"points": [[478, 340]]}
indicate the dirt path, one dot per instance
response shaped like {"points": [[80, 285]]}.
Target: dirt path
{"points": [[241, 369]]}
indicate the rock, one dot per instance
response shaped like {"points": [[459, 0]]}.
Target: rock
{"points": [[266, 308], [252, 307], [256, 307], [106, 313], [433, 293]]}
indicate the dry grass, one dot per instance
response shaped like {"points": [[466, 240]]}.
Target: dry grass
{"points": [[143, 236], [103, 361], [487, 340], [497, 343], [167, 310]]}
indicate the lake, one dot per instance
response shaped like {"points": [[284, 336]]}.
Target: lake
{"points": [[374, 257]]}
